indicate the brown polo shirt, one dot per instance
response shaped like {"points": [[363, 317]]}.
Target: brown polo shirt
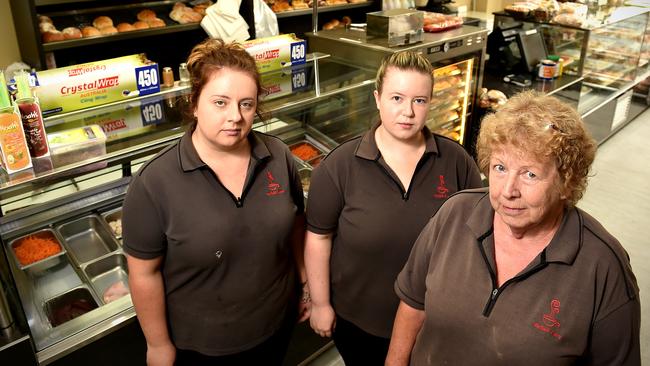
{"points": [[228, 268], [575, 303], [356, 195]]}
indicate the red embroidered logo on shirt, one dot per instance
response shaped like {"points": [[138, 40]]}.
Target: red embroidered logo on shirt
{"points": [[274, 188], [550, 322], [441, 191]]}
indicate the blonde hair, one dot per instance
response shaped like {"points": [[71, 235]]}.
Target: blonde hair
{"points": [[404, 60], [545, 128]]}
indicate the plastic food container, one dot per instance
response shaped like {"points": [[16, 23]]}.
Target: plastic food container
{"points": [[87, 239], [38, 250], [77, 144]]}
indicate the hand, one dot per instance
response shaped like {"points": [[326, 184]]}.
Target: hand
{"points": [[304, 304], [163, 355], [323, 319]]}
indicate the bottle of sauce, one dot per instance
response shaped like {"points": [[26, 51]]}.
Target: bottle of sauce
{"points": [[32, 118], [13, 146]]}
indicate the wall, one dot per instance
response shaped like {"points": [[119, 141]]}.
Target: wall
{"points": [[490, 6], [9, 51]]}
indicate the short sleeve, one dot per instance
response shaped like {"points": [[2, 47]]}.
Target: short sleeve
{"points": [[142, 233], [615, 338], [324, 202], [471, 175], [410, 285]]}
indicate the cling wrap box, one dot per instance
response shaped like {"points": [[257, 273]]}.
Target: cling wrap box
{"points": [[273, 53], [86, 85]]}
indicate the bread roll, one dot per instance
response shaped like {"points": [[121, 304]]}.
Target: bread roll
{"points": [[156, 23], [146, 15], [346, 20], [140, 25], [108, 30], [102, 21], [179, 5], [90, 32], [328, 26], [201, 8], [46, 27], [125, 27], [53, 36], [335, 22], [299, 4], [44, 19], [71, 33], [281, 6]]}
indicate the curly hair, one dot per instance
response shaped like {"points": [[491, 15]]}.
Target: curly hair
{"points": [[543, 127], [404, 60], [214, 54]]}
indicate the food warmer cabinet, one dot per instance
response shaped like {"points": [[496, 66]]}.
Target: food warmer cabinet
{"points": [[457, 56], [75, 301]]}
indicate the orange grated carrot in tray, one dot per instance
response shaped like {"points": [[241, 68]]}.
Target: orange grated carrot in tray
{"points": [[305, 151], [34, 248]]}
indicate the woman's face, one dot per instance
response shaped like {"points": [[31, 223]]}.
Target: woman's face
{"points": [[403, 102], [226, 109], [524, 192]]}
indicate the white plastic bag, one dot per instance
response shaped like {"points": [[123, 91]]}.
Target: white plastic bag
{"points": [[266, 23]]}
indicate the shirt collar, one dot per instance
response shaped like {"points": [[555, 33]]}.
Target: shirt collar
{"points": [[563, 247], [368, 149], [189, 158]]}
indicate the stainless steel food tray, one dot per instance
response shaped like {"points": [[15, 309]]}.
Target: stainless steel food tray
{"points": [[87, 238]]}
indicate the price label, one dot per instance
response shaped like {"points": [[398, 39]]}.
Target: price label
{"points": [[298, 52], [147, 79], [152, 113], [298, 80]]}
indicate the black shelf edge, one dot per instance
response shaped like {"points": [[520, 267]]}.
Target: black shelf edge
{"points": [[72, 43], [322, 9]]}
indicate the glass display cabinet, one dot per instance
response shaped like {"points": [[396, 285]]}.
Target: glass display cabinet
{"points": [[607, 57]]}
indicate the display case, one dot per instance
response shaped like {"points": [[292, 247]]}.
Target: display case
{"points": [[168, 44], [603, 60], [75, 293], [457, 56]]}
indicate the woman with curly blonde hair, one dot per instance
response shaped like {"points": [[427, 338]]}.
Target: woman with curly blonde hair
{"points": [[515, 274]]}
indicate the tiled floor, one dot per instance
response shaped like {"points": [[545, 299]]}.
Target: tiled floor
{"points": [[618, 196]]}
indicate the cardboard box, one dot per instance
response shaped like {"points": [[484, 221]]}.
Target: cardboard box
{"points": [[86, 85], [273, 53], [397, 26]]}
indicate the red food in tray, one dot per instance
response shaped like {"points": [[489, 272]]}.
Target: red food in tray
{"points": [[314, 162], [305, 151], [436, 22]]}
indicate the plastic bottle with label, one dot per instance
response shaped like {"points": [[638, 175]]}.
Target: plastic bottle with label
{"points": [[13, 146], [31, 116]]}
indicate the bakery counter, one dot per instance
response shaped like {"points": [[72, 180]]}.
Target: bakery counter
{"points": [[63, 258], [69, 270]]}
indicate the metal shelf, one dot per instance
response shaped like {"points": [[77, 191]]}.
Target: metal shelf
{"points": [[73, 43], [322, 9]]}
